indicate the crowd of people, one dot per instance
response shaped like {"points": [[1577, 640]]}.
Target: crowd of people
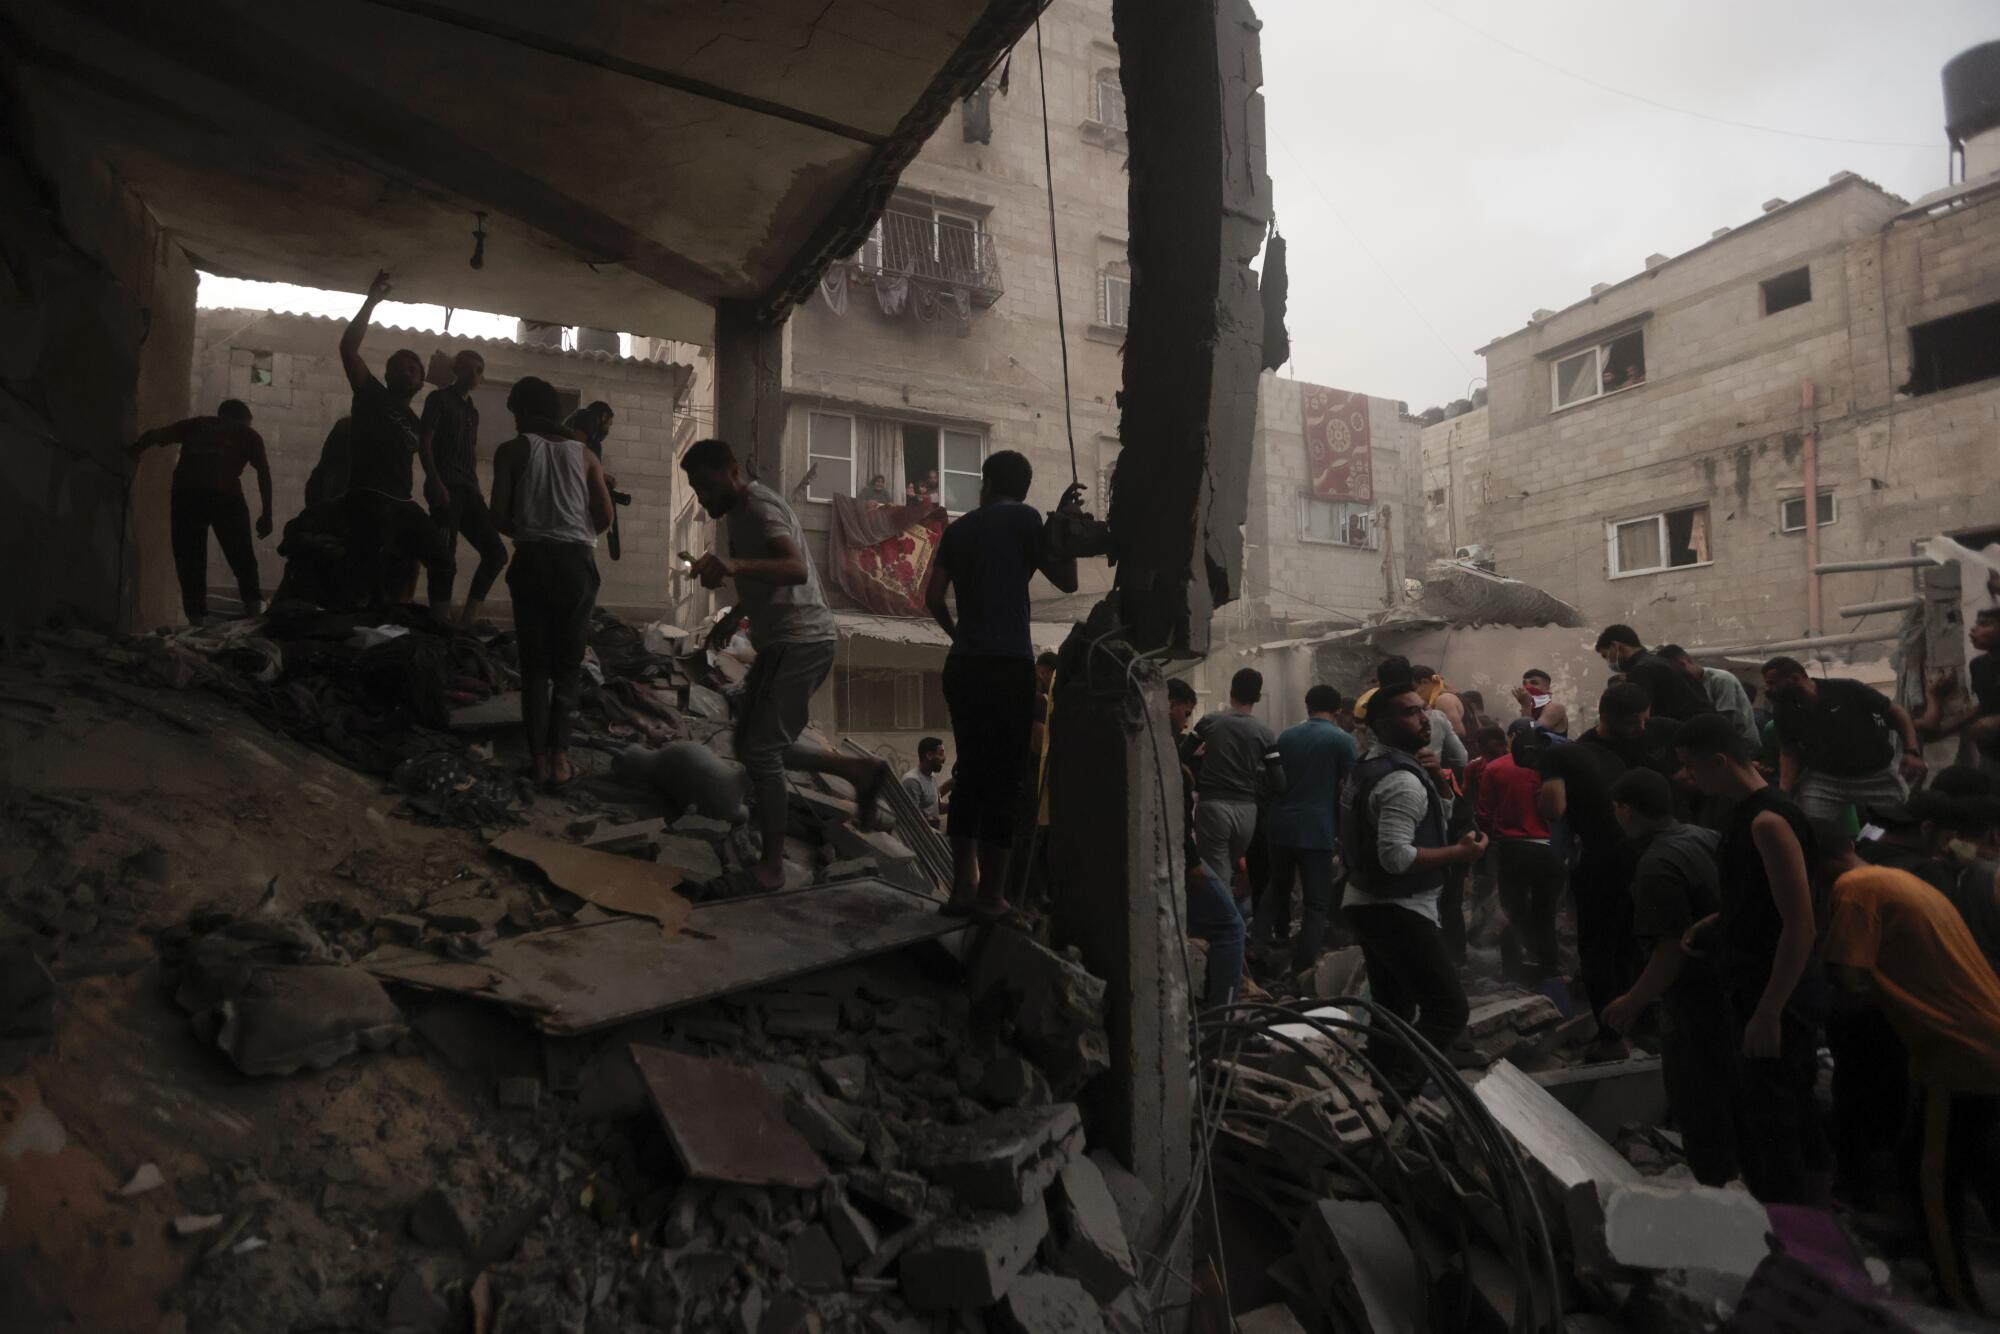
{"points": [[1753, 877]]}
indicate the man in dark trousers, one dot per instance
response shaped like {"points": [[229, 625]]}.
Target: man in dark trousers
{"points": [[987, 557], [1674, 885], [1239, 757], [1316, 757], [208, 493], [1393, 814], [1762, 940], [1673, 694], [385, 525], [1840, 742], [449, 448]]}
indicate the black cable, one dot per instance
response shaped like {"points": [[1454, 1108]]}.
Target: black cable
{"points": [[1055, 247]]}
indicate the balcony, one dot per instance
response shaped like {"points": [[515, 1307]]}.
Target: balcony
{"points": [[948, 249]]}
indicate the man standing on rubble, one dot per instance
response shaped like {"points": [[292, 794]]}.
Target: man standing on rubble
{"points": [[1762, 939], [792, 630], [1239, 772], [1393, 814], [1316, 757], [1531, 872], [988, 557], [208, 493], [1838, 741], [1673, 694], [385, 526], [449, 448], [1674, 885]]}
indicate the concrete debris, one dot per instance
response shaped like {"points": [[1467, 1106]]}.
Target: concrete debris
{"points": [[845, 1077], [853, 1233], [1605, 1095], [822, 1128], [1362, 1268], [443, 1219], [1090, 1235], [520, 1091], [1277, 1318], [1049, 1304], [1651, 1227], [188, 1225], [813, 1261], [1522, 1011], [1006, 1159], [1339, 973], [971, 1262], [1053, 1004], [148, 1177], [724, 1122], [1561, 1149]]}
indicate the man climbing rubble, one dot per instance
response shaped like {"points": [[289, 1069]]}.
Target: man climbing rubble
{"points": [[1838, 741], [792, 630], [1393, 814], [449, 448], [987, 557], [208, 493]]}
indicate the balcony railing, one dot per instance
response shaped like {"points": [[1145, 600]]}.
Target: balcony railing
{"points": [[942, 249]]}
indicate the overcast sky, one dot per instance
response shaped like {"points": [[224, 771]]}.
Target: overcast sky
{"points": [[1410, 152]]}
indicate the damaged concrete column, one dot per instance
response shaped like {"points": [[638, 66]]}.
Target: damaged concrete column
{"points": [[749, 385]]}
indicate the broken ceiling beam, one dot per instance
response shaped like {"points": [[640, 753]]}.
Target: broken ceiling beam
{"points": [[579, 978]]}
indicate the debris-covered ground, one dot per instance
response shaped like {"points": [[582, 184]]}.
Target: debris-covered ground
{"points": [[314, 1017]]}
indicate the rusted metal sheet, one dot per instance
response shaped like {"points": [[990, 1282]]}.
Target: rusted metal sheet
{"points": [[724, 1122], [578, 978]]}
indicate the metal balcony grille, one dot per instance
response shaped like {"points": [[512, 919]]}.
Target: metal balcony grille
{"points": [[941, 248]]}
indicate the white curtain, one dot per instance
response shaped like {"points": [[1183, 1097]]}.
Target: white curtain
{"points": [[878, 449]]}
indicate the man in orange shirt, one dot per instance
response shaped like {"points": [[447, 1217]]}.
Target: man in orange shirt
{"points": [[207, 493], [1896, 940]]}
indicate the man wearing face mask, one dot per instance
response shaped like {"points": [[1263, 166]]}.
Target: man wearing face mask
{"points": [[1538, 704], [1840, 742]]}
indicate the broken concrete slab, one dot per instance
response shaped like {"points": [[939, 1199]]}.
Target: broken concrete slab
{"points": [[1277, 1318], [845, 1076], [467, 912], [813, 1261], [1649, 1227], [1006, 1159], [1049, 1304], [578, 978], [1523, 1011], [1608, 1094], [822, 1127], [620, 884], [1563, 1151], [631, 837], [1361, 1265], [695, 858], [724, 1122], [1137, 1209], [296, 1017], [1091, 1242], [1055, 1005], [970, 1262], [853, 1233], [1339, 974]]}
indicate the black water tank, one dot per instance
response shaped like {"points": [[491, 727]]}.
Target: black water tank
{"points": [[1972, 92]]}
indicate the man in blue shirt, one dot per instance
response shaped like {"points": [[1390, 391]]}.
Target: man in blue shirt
{"points": [[1315, 757], [987, 557]]}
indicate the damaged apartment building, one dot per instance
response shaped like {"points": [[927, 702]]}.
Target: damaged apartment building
{"points": [[1647, 453]]}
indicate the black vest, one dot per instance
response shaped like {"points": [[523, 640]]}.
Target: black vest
{"points": [[1357, 829]]}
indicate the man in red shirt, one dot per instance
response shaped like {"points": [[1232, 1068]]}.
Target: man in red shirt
{"points": [[1531, 871], [208, 493]]}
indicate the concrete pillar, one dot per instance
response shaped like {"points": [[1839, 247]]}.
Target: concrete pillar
{"points": [[749, 388]]}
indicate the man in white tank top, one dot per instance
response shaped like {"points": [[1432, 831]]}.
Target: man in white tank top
{"points": [[549, 496]]}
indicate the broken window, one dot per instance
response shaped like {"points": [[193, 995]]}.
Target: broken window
{"points": [[829, 455], [1955, 350], [1786, 290], [260, 368], [1666, 541], [881, 699], [1617, 363], [1108, 104], [1792, 512], [1344, 522], [1114, 301]]}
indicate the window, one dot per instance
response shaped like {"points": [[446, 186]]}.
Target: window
{"points": [[1792, 512], [1786, 290], [1108, 104], [1666, 541], [919, 239], [829, 455], [1955, 350], [1619, 363], [1343, 522], [943, 464], [260, 368], [1114, 301], [882, 699]]}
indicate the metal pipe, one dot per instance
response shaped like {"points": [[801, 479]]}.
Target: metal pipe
{"points": [[1787, 645], [1871, 608], [1810, 458], [1884, 563]]}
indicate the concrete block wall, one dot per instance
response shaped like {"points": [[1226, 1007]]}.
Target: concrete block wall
{"points": [[308, 392], [1719, 421], [1288, 576], [1446, 446]]}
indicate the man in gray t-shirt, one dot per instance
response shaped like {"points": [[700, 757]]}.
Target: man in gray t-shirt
{"points": [[1239, 770], [792, 630]]}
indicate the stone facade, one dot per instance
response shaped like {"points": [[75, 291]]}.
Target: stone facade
{"points": [[287, 368], [1712, 439]]}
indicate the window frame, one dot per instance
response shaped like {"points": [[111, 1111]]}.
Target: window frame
{"points": [[1106, 79], [1348, 512], [946, 472], [1658, 517], [813, 455], [1596, 351], [1105, 279], [1826, 493], [1764, 310]]}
